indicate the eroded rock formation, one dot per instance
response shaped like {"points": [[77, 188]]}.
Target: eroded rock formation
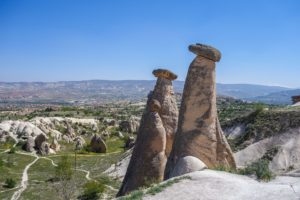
{"points": [[79, 143], [98, 145], [186, 165], [164, 93], [29, 145], [199, 133], [131, 125], [148, 159], [155, 136], [296, 99]]}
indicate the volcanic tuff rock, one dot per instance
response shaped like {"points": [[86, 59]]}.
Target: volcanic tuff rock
{"points": [[79, 143], [40, 129], [164, 93], [155, 136], [39, 140], [98, 145], [217, 185], [29, 145], [186, 165], [148, 159], [206, 52], [285, 148], [131, 125], [118, 170], [296, 99], [199, 133], [54, 145], [45, 149]]}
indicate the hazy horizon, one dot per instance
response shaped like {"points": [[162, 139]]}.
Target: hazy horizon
{"points": [[141, 80]]}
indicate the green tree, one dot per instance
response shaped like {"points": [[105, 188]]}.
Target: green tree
{"points": [[10, 183], [93, 190], [65, 183]]}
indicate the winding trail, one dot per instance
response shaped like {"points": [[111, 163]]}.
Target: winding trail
{"points": [[24, 181], [9, 190], [87, 176], [52, 162]]}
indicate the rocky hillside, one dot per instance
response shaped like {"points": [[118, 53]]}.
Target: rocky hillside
{"points": [[267, 134], [44, 134]]}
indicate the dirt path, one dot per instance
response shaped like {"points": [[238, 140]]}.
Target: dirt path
{"points": [[52, 162], [24, 181], [87, 176]]}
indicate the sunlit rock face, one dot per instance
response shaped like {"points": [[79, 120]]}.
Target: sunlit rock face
{"points": [[155, 136], [164, 93], [199, 133]]}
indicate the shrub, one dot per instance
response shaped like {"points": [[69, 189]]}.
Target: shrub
{"points": [[10, 183], [63, 171], [259, 108], [161, 187], [12, 150], [225, 169], [260, 169], [93, 190], [135, 195], [85, 150], [9, 162], [1, 163], [155, 189]]}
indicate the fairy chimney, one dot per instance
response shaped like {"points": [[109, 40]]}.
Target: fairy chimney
{"points": [[164, 93], [199, 132]]}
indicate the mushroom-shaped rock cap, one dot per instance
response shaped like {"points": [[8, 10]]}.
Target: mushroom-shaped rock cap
{"points": [[206, 51], [164, 73]]}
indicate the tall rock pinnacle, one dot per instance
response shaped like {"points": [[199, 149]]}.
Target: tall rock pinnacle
{"points": [[155, 136], [199, 133], [164, 93]]}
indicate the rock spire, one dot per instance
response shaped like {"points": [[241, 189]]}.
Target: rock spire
{"points": [[199, 132], [155, 136]]}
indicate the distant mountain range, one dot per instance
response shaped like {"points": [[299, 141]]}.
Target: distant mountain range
{"points": [[103, 91], [282, 97]]}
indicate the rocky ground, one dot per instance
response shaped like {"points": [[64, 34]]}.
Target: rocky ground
{"points": [[216, 185], [266, 148], [256, 133], [32, 147]]}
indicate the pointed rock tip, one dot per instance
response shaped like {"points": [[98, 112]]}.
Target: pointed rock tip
{"points": [[206, 51], [164, 73]]}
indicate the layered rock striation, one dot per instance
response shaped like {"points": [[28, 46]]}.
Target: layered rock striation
{"points": [[155, 136], [199, 132], [164, 93]]}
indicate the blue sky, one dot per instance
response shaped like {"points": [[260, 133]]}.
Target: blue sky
{"points": [[55, 40]]}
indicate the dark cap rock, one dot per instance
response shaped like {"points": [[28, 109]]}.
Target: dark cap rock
{"points": [[206, 51], [164, 73]]}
